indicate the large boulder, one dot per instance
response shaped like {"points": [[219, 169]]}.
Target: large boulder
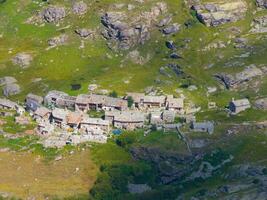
{"points": [[261, 104], [84, 32], [261, 3], [11, 89], [79, 8], [174, 28], [22, 59], [58, 40], [220, 12], [7, 80], [53, 14]]}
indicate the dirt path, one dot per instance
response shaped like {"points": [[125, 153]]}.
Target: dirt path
{"points": [[26, 175]]}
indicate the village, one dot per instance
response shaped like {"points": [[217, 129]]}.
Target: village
{"points": [[62, 119]]}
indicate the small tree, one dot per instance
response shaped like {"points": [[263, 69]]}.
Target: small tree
{"points": [[130, 101], [113, 94]]}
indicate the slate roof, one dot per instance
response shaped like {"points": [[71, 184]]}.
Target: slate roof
{"points": [[8, 103]]}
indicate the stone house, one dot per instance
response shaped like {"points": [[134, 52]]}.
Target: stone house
{"points": [[128, 120], [175, 104], [59, 117], [33, 101], [42, 114], [156, 118], [82, 103], [203, 127], [168, 116], [154, 102], [60, 99], [99, 102], [7, 104], [147, 101], [237, 106], [138, 98], [73, 120], [112, 103], [91, 124]]}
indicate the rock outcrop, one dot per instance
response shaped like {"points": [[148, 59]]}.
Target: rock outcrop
{"points": [[220, 12], [233, 81], [22, 59], [259, 25], [261, 104], [58, 40], [11, 89], [84, 32], [53, 14], [79, 8], [124, 32], [261, 3]]}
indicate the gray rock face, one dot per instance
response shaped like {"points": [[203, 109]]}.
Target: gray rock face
{"points": [[220, 12], [84, 32], [233, 81], [22, 59], [259, 25], [11, 89], [124, 33], [261, 3], [174, 28], [79, 8], [54, 14], [59, 40], [261, 104]]}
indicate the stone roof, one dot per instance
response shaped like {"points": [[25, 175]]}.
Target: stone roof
{"points": [[168, 113], [74, 118], [136, 96], [175, 102], [83, 99], [7, 103], [240, 102], [34, 97], [60, 113], [97, 99], [154, 99], [95, 121], [127, 116], [115, 102], [42, 111], [101, 99]]}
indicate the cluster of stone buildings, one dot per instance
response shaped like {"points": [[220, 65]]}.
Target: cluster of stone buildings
{"points": [[59, 111]]}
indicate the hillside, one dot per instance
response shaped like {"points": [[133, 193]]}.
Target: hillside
{"points": [[207, 51]]}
